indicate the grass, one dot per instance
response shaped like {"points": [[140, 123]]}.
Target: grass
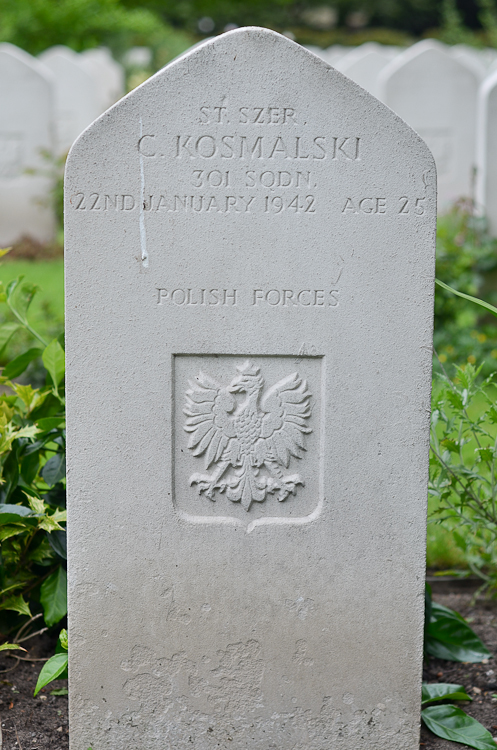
{"points": [[46, 312]]}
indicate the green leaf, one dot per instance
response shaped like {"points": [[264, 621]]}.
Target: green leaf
{"points": [[450, 637], [451, 723], [21, 297], [442, 691], [54, 469], [484, 454], [57, 541], [17, 514], [8, 531], [62, 691], [51, 670], [29, 467], [450, 445], [10, 473], [16, 603], [477, 301], [11, 647], [6, 333], [53, 596], [19, 364], [63, 640], [54, 361], [50, 423]]}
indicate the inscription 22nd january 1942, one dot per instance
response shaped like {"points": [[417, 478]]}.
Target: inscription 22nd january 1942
{"points": [[259, 432]]}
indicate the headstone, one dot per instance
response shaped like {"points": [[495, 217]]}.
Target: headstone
{"points": [[487, 152], [107, 73], [26, 115], [364, 64], [471, 59], [76, 95], [250, 255], [489, 56], [138, 57], [436, 95], [334, 53]]}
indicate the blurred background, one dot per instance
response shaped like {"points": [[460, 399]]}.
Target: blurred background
{"points": [[168, 27]]}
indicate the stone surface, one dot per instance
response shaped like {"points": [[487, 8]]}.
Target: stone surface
{"points": [[250, 259], [436, 95], [76, 95], [486, 194], [26, 118]]}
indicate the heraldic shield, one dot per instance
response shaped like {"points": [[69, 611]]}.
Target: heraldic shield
{"points": [[247, 432]]}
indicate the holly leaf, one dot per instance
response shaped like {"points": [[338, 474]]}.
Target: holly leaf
{"points": [[16, 603]]}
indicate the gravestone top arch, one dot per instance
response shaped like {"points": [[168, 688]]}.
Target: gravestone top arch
{"points": [[249, 260], [26, 119], [436, 94]]}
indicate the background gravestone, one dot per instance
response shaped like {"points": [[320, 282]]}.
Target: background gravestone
{"points": [[107, 73], [364, 64], [75, 94], [250, 258], [487, 151], [436, 95], [26, 118]]}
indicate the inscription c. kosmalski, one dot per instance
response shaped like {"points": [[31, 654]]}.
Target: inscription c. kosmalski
{"points": [[248, 435]]}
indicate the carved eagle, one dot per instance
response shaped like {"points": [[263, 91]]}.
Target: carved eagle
{"points": [[247, 435]]}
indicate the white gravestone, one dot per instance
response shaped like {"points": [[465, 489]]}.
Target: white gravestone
{"points": [[487, 152], [26, 115], [107, 73], [471, 58], [436, 95], [364, 64], [76, 95], [250, 259]]}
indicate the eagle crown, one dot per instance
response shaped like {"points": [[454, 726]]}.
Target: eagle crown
{"points": [[249, 381]]}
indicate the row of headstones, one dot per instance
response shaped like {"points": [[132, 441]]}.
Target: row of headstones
{"points": [[449, 96], [45, 104], [445, 93]]}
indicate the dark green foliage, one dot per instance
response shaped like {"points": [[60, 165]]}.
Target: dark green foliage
{"points": [[56, 666], [463, 476], [448, 635], [35, 25], [32, 488], [467, 261]]}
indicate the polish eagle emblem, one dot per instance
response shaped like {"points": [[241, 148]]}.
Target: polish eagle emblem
{"points": [[247, 441]]}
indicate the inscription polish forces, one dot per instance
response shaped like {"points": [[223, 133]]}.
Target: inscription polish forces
{"points": [[258, 298]]}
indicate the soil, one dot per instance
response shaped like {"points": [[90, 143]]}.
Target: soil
{"points": [[40, 723], [29, 249], [480, 680], [29, 723]]}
